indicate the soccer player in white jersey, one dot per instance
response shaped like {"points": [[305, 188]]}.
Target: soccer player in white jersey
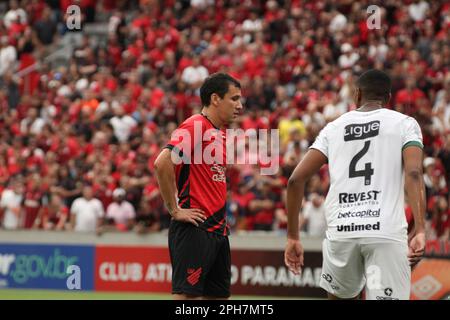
{"points": [[374, 155]]}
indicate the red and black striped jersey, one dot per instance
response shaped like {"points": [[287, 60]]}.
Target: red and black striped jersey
{"points": [[199, 151]]}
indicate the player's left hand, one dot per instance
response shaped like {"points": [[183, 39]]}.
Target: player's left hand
{"points": [[416, 248], [293, 256]]}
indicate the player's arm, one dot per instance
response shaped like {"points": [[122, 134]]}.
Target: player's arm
{"points": [[415, 190], [165, 173], [309, 165]]}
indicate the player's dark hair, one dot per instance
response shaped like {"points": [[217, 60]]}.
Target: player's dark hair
{"points": [[217, 83], [374, 85]]}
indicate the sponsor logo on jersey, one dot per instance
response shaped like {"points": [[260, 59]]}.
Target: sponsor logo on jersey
{"points": [[360, 214], [361, 131], [388, 295], [219, 176], [327, 277], [386, 298], [358, 227], [388, 292], [357, 197]]}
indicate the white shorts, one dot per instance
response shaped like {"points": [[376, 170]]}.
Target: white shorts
{"points": [[379, 265]]}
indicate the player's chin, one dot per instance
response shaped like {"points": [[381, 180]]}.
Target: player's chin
{"points": [[232, 118]]}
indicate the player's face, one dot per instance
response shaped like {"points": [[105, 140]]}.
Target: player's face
{"points": [[230, 106]]}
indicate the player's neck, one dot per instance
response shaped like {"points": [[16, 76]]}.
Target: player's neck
{"points": [[213, 118], [370, 105]]}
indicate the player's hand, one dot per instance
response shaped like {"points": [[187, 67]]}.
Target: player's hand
{"points": [[194, 216], [416, 248], [293, 256]]}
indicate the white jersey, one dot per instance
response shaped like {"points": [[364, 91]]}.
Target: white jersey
{"points": [[364, 151]]}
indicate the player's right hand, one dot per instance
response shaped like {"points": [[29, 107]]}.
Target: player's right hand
{"points": [[194, 216]]}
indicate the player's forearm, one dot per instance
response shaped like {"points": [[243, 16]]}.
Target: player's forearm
{"points": [[415, 189], [166, 179], [295, 191]]}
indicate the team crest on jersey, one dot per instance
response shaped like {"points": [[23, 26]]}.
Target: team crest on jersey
{"points": [[362, 131]]}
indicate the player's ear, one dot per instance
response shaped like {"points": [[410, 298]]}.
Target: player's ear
{"points": [[357, 95], [215, 99], [388, 98]]}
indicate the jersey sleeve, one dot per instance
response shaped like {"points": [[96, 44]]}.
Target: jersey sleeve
{"points": [[411, 135], [321, 142]]}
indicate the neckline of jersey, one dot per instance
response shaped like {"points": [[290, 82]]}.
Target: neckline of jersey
{"points": [[204, 115], [363, 112]]}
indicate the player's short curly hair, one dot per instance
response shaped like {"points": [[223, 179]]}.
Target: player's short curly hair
{"points": [[374, 84]]}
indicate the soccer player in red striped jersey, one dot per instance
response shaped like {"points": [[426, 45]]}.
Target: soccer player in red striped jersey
{"points": [[191, 177]]}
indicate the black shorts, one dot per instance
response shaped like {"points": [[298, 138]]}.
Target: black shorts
{"points": [[201, 261]]}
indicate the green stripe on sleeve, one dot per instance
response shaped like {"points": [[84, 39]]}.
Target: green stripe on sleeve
{"points": [[412, 144]]}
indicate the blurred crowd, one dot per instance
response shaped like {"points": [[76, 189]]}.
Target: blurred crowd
{"points": [[78, 141]]}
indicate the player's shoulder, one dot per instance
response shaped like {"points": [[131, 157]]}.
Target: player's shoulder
{"points": [[400, 119], [191, 121], [394, 114], [382, 113], [343, 118]]}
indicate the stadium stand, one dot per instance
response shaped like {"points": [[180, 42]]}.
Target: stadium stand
{"points": [[95, 106]]}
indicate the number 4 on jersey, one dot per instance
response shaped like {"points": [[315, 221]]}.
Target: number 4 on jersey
{"points": [[367, 173]]}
